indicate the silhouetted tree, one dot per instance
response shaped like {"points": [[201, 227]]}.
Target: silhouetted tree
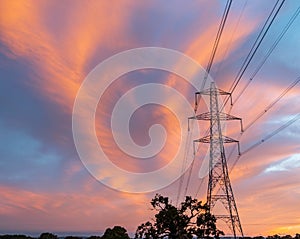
{"points": [[116, 233], [94, 237], [287, 237], [258, 237], [48, 235], [190, 219], [273, 237]]}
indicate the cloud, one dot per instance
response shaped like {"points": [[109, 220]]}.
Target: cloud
{"points": [[285, 165], [46, 51], [60, 62], [87, 212]]}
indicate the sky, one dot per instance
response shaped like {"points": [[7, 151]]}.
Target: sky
{"points": [[47, 49]]}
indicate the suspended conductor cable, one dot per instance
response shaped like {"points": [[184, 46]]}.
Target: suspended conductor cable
{"points": [[217, 40], [285, 29], [268, 23], [186, 151], [199, 187], [266, 138], [273, 133], [273, 103], [231, 38], [256, 44], [267, 109], [189, 174]]}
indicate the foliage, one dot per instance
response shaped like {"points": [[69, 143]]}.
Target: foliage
{"points": [[297, 236], [273, 237], [191, 219], [116, 233], [48, 235]]}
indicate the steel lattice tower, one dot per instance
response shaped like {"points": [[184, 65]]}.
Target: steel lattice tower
{"points": [[219, 186]]}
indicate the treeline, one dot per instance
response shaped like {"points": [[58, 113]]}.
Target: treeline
{"points": [[116, 232], [109, 235]]}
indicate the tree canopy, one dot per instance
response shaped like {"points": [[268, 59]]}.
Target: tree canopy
{"points": [[117, 232], [190, 219], [48, 235]]}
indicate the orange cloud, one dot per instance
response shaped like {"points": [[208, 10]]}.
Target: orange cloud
{"points": [[60, 58], [200, 48], [87, 212]]}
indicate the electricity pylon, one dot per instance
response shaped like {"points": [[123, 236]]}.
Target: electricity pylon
{"points": [[219, 186]]}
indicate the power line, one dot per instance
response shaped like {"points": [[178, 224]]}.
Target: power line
{"points": [[188, 142], [199, 187], [267, 109], [285, 29], [256, 44], [266, 138], [273, 103], [269, 136], [189, 176], [231, 38], [217, 40], [268, 23]]}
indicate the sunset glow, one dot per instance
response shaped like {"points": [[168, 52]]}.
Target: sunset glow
{"points": [[47, 48]]}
